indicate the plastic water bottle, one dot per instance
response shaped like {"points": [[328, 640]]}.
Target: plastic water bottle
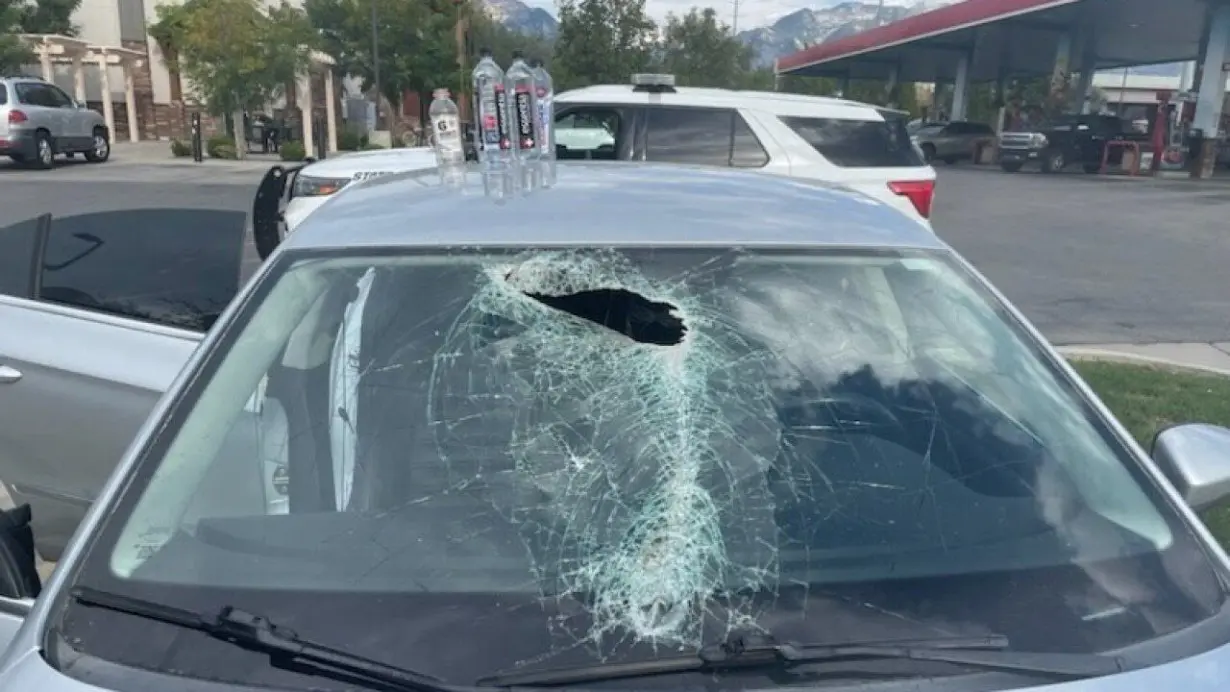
{"points": [[544, 91], [446, 138], [492, 134], [524, 108]]}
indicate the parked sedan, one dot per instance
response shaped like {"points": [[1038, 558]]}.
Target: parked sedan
{"points": [[671, 434]]}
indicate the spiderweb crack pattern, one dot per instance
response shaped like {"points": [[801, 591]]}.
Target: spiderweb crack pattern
{"points": [[634, 472]]}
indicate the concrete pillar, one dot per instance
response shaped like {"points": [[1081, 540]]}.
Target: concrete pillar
{"points": [[1059, 73], [78, 79], [1202, 49], [304, 97], [1001, 98], [104, 71], [890, 92], [330, 109], [1082, 91], [960, 89], [44, 61], [1212, 86], [130, 102]]}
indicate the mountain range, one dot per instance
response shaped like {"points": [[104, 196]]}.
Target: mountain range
{"points": [[790, 33]]}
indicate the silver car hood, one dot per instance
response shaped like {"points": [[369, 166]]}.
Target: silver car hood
{"points": [[1206, 672]]}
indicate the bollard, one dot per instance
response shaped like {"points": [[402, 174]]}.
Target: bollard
{"points": [[198, 154]]}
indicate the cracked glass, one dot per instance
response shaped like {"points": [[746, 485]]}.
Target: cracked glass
{"points": [[467, 461]]}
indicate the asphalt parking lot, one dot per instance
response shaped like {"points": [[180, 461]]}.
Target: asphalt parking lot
{"points": [[1096, 260], [1089, 260]]}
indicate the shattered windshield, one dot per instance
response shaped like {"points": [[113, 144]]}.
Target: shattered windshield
{"points": [[562, 455]]}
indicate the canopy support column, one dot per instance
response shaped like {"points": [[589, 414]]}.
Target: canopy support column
{"points": [[1212, 87], [960, 89]]}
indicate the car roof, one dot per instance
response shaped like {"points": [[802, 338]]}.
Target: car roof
{"points": [[609, 203], [779, 103]]}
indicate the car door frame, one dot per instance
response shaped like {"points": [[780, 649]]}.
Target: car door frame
{"points": [[75, 136]]}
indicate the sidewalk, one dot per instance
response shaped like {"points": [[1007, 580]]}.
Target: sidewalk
{"points": [[1213, 357], [159, 154]]}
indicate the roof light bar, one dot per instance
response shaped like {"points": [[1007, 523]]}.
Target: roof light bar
{"points": [[653, 80]]}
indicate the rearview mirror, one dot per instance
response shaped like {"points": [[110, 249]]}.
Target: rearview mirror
{"points": [[1196, 459]]}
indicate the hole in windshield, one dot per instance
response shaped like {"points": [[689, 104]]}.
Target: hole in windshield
{"points": [[632, 315]]}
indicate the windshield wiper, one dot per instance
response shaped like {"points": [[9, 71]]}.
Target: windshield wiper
{"points": [[744, 652], [258, 634]]}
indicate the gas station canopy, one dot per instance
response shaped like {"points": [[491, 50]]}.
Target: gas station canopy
{"points": [[1009, 38]]}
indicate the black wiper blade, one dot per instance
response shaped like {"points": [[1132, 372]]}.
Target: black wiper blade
{"points": [[257, 633], [744, 652]]}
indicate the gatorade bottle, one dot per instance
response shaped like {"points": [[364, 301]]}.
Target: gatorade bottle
{"points": [[446, 137], [492, 135], [524, 109], [544, 91]]}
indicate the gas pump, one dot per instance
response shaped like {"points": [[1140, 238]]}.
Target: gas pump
{"points": [[1172, 133]]}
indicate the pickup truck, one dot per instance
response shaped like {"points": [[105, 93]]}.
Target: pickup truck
{"points": [[1067, 140]]}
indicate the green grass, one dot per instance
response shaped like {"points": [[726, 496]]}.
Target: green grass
{"points": [[1148, 398]]}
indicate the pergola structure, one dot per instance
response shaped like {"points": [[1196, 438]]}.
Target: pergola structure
{"points": [[54, 49], [303, 87]]}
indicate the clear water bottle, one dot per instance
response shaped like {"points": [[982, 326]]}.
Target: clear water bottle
{"points": [[544, 92], [492, 134], [446, 137], [524, 108]]}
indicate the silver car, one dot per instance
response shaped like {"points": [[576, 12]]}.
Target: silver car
{"points": [[952, 141], [653, 427], [38, 121]]}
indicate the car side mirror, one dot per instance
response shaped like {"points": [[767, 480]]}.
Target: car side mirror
{"points": [[82, 105], [1195, 457]]}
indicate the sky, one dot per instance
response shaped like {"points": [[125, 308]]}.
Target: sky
{"points": [[752, 13]]}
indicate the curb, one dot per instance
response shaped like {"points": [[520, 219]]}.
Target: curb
{"points": [[1080, 353]]}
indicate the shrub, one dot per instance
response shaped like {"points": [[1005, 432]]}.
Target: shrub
{"points": [[225, 151], [220, 147], [292, 151], [180, 149], [348, 140]]}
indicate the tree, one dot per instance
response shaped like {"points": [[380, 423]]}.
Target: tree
{"points": [[701, 51], [417, 43], [49, 17], [25, 17], [236, 55], [168, 33], [601, 42], [13, 50]]}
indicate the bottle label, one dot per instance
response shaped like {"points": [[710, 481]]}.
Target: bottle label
{"points": [[501, 116], [448, 135], [544, 120], [525, 119], [488, 121]]}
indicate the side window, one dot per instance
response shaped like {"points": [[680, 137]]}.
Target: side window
{"points": [[747, 151], [587, 133], [983, 130], [29, 93], [953, 129], [57, 98], [858, 143], [18, 248], [690, 135], [175, 267]]}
